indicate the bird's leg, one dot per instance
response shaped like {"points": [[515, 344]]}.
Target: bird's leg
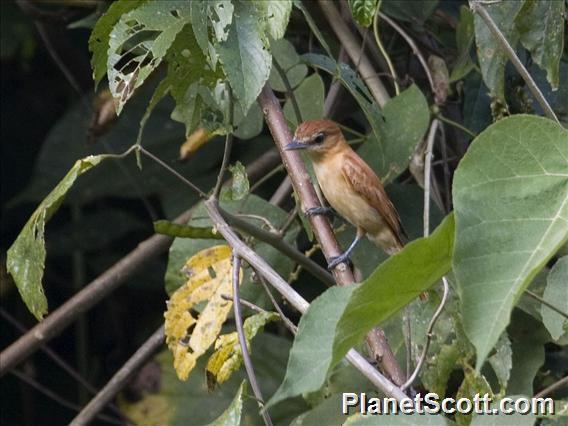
{"points": [[325, 211], [334, 261]]}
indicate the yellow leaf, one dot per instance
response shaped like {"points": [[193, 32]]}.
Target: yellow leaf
{"points": [[210, 274], [193, 142], [228, 356]]}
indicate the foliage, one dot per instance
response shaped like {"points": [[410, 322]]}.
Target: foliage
{"points": [[183, 73]]}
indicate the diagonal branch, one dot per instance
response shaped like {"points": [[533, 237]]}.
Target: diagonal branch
{"points": [[296, 300], [510, 52], [121, 378], [322, 230], [107, 282]]}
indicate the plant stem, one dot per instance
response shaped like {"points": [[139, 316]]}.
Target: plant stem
{"points": [[546, 303], [383, 51], [243, 341], [456, 125]]}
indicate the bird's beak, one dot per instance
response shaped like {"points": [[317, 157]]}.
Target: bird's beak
{"points": [[295, 145]]}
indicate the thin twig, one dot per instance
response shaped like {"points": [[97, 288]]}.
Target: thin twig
{"points": [[562, 383], [296, 300], [121, 378], [429, 335], [243, 340], [383, 51], [60, 400], [413, 46], [228, 145], [427, 173], [546, 303], [289, 324], [426, 231], [245, 303], [456, 125], [349, 41], [510, 52], [278, 243], [171, 170], [282, 192]]}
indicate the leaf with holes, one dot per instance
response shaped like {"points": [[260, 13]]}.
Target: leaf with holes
{"points": [[276, 15], [99, 39], [210, 275], [138, 44], [511, 204], [26, 257]]}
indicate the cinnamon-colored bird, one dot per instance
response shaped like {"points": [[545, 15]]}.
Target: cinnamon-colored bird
{"points": [[350, 186]]}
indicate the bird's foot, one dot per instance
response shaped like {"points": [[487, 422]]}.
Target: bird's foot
{"points": [[315, 211], [336, 260]]}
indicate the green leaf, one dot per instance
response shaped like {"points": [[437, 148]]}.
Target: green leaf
{"points": [[472, 384], [138, 44], [276, 15], [99, 39], [363, 11], [406, 120], [245, 55], [310, 357], [221, 14], [353, 84], [541, 25], [313, 26], [284, 52], [339, 318], [26, 257], [556, 293], [511, 204], [240, 185], [502, 362], [491, 57], [310, 96], [249, 126], [232, 415], [438, 370], [165, 227], [465, 32]]}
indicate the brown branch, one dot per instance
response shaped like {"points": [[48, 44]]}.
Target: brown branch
{"points": [[353, 48], [120, 379], [296, 300], [560, 384], [102, 286], [320, 224]]}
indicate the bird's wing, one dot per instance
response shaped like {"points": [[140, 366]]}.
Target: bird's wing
{"points": [[365, 182]]}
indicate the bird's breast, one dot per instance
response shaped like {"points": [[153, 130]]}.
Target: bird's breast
{"points": [[343, 198]]}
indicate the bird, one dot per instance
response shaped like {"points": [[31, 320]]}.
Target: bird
{"points": [[350, 186]]}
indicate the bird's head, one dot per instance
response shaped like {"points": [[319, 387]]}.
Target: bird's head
{"points": [[317, 137]]}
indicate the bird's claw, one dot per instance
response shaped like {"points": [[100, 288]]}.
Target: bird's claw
{"points": [[336, 260], [314, 211]]}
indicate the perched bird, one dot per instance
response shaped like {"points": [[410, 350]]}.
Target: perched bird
{"points": [[350, 186]]}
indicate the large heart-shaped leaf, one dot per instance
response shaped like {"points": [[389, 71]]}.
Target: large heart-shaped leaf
{"points": [[511, 204]]}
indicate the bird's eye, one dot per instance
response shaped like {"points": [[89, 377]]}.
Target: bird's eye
{"points": [[319, 138]]}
